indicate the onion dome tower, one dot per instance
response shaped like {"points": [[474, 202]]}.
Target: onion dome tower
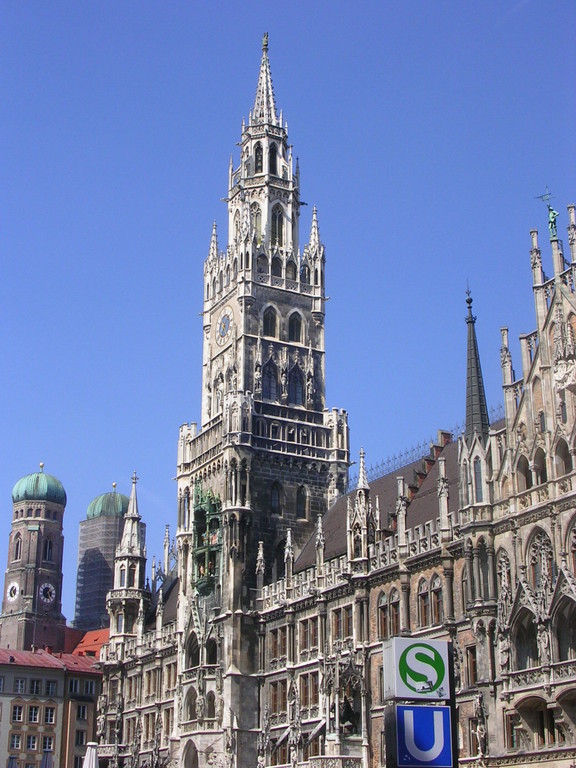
{"points": [[32, 600], [99, 536]]}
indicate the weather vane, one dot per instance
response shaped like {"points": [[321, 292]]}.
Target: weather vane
{"points": [[552, 214]]}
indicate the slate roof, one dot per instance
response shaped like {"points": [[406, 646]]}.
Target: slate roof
{"points": [[422, 509]]}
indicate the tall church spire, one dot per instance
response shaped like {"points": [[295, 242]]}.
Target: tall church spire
{"points": [[476, 411], [264, 106]]}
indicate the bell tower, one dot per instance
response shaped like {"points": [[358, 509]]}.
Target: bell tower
{"points": [[32, 600], [267, 446]]}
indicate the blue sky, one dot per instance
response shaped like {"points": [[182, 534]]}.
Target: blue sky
{"points": [[425, 131]]}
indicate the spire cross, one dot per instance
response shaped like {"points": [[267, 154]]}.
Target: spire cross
{"points": [[135, 478]]}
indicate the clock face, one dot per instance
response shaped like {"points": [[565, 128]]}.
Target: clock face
{"points": [[47, 593], [224, 326], [12, 591]]}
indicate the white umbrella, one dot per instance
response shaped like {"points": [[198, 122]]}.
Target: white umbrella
{"points": [[91, 756], [47, 759]]}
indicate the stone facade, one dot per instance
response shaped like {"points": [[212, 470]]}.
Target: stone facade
{"points": [[259, 641]]}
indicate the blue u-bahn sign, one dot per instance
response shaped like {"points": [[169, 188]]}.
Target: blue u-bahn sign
{"points": [[424, 736]]}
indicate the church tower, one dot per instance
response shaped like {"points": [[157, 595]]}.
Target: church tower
{"points": [[32, 600], [268, 457]]}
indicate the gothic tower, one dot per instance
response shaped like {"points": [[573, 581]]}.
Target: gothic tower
{"points": [[129, 599], [32, 601], [269, 456]]}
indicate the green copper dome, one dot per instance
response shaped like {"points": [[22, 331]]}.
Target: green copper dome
{"points": [[39, 487], [108, 505]]}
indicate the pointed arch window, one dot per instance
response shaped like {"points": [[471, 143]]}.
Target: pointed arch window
{"points": [[436, 600], [541, 475], [270, 381], [295, 327], [132, 576], [122, 577], [270, 323], [563, 459], [565, 626], [120, 622], [296, 386], [525, 642], [523, 474], [258, 158], [383, 617], [193, 652], [394, 613], [17, 547], [291, 271], [305, 274], [273, 160], [478, 480], [277, 231], [237, 227], [276, 267]]}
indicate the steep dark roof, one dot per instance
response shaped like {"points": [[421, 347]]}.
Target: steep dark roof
{"points": [[423, 507]]}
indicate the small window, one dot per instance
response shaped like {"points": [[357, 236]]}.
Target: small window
{"points": [[48, 743], [81, 712], [270, 322], [19, 684], [302, 503], [35, 687], [89, 687], [17, 713], [74, 685], [33, 713], [277, 229], [51, 687], [16, 741], [122, 577], [471, 667], [273, 160], [18, 547], [80, 739], [258, 158], [295, 327], [47, 551], [49, 715], [31, 743], [276, 499]]}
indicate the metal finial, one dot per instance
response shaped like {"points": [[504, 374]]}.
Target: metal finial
{"points": [[41, 466], [135, 477], [265, 42], [114, 487]]}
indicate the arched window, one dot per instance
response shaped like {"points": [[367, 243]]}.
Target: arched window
{"points": [[256, 219], [524, 641], [277, 232], [291, 271], [394, 613], [383, 617], [478, 480], [565, 629], [482, 589], [270, 381], [302, 502], [276, 499], [132, 576], [540, 467], [47, 550], [464, 485], [423, 603], [207, 290], [210, 705], [220, 282], [261, 265], [270, 322], [273, 160], [17, 547], [276, 267], [523, 474], [562, 459], [305, 274], [120, 623], [295, 327], [191, 704], [258, 158], [436, 599], [193, 652], [296, 386], [237, 227], [122, 577]]}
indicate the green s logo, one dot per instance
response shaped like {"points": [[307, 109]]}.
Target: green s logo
{"points": [[421, 668]]}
